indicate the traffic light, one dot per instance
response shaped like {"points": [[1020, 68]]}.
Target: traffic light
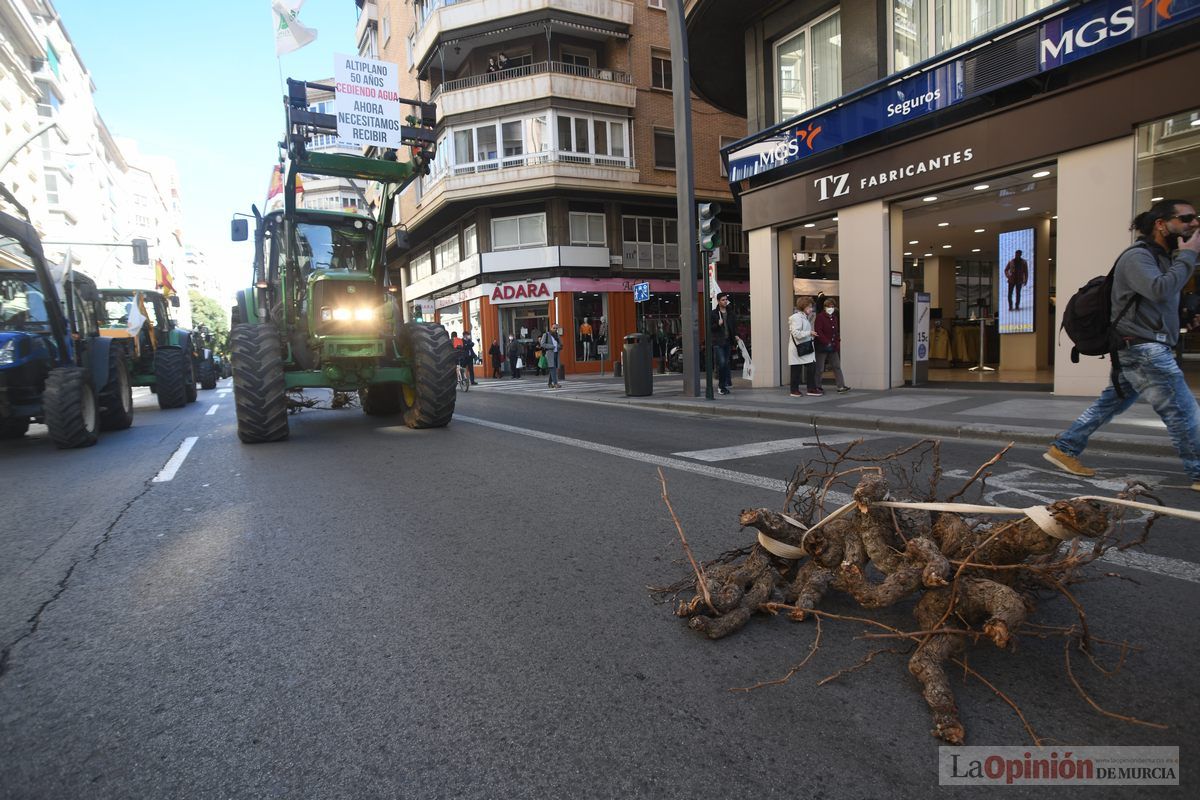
{"points": [[710, 226], [141, 252]]}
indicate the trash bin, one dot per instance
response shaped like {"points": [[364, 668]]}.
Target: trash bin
{"points": [[639, 366]]}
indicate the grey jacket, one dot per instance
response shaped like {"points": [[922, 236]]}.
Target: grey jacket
{"points": [[1158, 278]]}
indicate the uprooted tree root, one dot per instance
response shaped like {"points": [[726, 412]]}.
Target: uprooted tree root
{"points": [[968, 579]]}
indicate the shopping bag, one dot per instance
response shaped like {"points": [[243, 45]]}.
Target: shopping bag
{"points": [[520, 362], [748, 365], [543, 363]]}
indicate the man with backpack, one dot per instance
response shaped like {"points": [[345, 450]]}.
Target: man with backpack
{"points": [[1147, 280]]}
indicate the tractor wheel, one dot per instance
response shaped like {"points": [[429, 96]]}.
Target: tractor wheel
{"points": [[429, 401], [381, 399], [259, 391], [70, 408], [13, 427], [189, 381], [170, 377], [116, 401], [208, 374]]}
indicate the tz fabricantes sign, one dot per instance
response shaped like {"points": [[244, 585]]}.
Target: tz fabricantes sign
{"points": [[842, 184]]}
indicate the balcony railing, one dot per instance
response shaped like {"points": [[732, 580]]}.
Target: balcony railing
{"points": [[528, 70]]}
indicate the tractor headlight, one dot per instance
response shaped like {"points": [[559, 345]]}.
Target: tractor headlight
{"points": [[8, 353], [342, 314], [364, 314]]}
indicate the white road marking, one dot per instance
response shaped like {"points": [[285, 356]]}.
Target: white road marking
{"points": [[765, 448], [176, 461], [1159, 565], [212, 410]]}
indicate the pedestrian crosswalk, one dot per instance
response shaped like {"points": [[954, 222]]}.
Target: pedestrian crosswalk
{"points": [[532, 386]]}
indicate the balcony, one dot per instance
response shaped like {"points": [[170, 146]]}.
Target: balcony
{"points": [[527, 172], [535, 82], [368, 17], [446, 20]]}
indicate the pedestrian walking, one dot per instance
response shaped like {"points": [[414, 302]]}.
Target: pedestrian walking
{"points": [[801, 351], [1147, 281], [721, 326], [514, 356], [468, 356], [551, 344], [497, 358], [828, 329]]}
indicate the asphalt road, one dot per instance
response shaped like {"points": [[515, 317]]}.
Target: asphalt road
{"points": [[369, 611]]}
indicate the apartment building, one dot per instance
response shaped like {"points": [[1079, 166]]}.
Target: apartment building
{"points": [[899, 147], [553, 188]]}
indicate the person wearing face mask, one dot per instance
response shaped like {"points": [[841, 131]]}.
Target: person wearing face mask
{"points": [[828, 329], [1147, 280]]}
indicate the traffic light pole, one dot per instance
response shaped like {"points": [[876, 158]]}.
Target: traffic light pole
{"points": [[681, 90], [708, 348]]}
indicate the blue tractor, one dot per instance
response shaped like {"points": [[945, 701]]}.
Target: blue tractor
{"points": [[55, 368]]}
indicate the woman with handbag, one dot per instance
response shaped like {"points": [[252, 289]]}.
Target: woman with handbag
{"points": [[801, 351], [828, 329]]}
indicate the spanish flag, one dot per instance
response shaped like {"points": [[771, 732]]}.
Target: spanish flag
{"points": [[162, 279], [276, 187]]}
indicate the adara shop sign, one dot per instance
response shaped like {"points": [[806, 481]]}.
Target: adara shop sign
{"points": [[518, 292]]}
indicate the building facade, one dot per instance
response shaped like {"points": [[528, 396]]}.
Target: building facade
{"points": [[990, 155], [552, 192]]}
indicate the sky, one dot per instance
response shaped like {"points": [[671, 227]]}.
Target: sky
{"points": [[198, 81]]}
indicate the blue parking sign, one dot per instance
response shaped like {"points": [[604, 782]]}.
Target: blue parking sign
{"points": [[641, 292]]}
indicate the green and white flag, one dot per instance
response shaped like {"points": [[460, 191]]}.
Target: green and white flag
{"points": [[290, 34]]}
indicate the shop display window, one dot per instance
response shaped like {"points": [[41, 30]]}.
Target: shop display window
{"points": [[591, 324]]}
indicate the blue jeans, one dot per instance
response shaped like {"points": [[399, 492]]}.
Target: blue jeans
{"points": [[721, 355], [1150, 370]]}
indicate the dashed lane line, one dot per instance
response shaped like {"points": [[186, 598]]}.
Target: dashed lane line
{"points": [[212, 410], [176, 461]]}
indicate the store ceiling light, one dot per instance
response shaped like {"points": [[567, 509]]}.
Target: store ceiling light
{"points": [[980, 230], [1155, 199], [1055, 216], [908, 254], [810, 224], [981, 187], [945, 247], [929, 199], [1042, 173], [975, 250], [914, 241], [928, 255], [1023, 208], [834, 219], [943, 224]]}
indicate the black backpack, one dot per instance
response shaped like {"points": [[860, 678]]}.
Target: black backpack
{"points": [[1086, 317]]}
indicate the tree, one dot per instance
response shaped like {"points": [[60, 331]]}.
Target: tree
{"points": [[210, 313]]}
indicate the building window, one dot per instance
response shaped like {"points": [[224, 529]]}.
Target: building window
{"points": [[48, 102], [664, 149], [421, 267], [470, 243], [408, 50], [591, 328], [52, 58], [724, 142], [445, 254], [512, 233], [576, 62], [52, 189], [808, 66], [587, 229], [660, 70], [659, 4], [650, 243], [923, 28], [386, 27]]}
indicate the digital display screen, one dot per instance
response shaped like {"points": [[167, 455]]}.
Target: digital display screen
{"points": [[1017, 261]]}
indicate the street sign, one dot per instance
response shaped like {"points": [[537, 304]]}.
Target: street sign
{"points": [[641, 292], [602, 350]]}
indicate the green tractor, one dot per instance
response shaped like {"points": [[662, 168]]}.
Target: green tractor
{"points": [[322, 311], [158, 352]]}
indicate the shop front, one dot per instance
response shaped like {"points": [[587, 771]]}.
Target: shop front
{"points": [[999, 228]]}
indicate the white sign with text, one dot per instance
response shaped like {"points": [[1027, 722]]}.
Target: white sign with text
{"points": [[368, 101]]}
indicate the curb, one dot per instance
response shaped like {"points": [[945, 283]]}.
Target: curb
{"points": [[1128, 444]]}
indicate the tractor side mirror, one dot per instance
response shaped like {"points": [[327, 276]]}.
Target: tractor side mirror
{"points": [[174, 301], [239, 231]]}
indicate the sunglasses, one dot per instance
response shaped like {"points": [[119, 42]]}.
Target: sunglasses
{"points": [[1186, 219]]}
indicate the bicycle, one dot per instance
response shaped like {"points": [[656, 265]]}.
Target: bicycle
{"points": [[464, 378]]}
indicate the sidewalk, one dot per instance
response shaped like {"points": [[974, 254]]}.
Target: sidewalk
{"points": [[945, 411]]}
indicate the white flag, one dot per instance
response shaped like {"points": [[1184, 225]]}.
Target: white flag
{"points": [[289, 33]]}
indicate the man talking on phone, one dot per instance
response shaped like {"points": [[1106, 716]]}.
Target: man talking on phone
{"points": [[1148, 279]]}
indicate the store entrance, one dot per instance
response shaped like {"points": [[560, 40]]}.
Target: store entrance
{"points": [[984, 252], [527, 323]]}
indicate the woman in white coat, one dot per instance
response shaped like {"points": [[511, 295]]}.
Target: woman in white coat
{"points": [[801, 352]]}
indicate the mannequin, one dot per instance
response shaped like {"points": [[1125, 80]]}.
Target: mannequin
{"points": [[585, 339]]}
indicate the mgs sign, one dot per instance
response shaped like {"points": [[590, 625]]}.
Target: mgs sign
{"points": [[511, 292]]}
